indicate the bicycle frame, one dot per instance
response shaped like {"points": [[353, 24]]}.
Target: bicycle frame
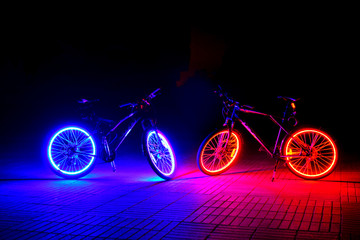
{"points": [[132, 125], [127, 131], [138, 108], [281, 128]]}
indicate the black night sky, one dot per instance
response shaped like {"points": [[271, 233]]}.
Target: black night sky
{"points": [[47, 64]]}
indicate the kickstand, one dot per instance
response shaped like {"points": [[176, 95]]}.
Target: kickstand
{"points": [[274, 172], [113, 166]]}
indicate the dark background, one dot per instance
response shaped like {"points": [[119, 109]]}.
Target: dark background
{"points": [[48, 62]]}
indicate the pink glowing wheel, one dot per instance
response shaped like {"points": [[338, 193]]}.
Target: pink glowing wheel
{"points": [[313, 152], [218, 152]]}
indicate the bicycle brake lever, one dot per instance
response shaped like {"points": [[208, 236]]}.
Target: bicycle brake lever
{"points": [[153, 94], [247, 106], [128, 104]]}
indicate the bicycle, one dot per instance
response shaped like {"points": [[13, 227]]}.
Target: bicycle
{"points": [[72, 150], [308, 152]]}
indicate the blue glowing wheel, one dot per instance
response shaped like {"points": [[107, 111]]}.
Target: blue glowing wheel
{"points": [[159, 153], [71, 152]]}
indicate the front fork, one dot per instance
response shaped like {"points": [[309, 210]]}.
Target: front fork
{"points": [[230, 126], [149, 123], [230, 123]]}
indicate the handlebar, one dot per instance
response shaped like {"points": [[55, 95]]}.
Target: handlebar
{"points": [[143, 101], [126, 105], [229, 101], [153, 94], [224, 95]]}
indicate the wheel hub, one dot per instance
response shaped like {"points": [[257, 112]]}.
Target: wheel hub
{"points": [[313, 154], [71, 153]]}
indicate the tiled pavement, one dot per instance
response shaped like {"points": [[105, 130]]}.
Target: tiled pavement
{"points": [[240, 204]]}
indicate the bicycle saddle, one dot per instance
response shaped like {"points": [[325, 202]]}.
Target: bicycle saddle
{"points": [[288, 99], [83, 101]]}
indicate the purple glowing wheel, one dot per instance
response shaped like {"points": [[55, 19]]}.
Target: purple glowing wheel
{"points": [[71, 152], [160, 154]]}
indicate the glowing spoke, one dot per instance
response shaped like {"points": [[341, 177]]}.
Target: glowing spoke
{"points": [[57, 155], [314, 139], [66, 140], [320, 163], [84, 140], [323, 145], [295, 162]]}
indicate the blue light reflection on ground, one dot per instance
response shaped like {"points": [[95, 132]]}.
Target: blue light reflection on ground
{"points": [[152, 179]]}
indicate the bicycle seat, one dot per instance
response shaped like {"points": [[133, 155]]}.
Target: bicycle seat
{"points": [[288, 99], [84, 101]]}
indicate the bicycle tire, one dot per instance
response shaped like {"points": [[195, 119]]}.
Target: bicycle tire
{"points": [[207, 157], [71, 152], [161, 157], [323, 154]]}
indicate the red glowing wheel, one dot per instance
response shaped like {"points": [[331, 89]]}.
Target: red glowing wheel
{"points": [[313, 153], [218, 152]]}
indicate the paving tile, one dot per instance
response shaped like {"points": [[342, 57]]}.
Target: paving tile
{"points": [[163, 224], [274, 234], [138, 234], [244, 222], [280, 215], [316, 217], [209, 219], [304, 226], [289, 216], [218, 219], [335, 227], [313, 235], [228, 220], [314, 226], [83, 231], [265, 223], [295, 225], [201, 218], [324, 227], [231, 232], [275, 223], [285, 224], [120, 231], [166, 230], [129, 233], [256, 223]]}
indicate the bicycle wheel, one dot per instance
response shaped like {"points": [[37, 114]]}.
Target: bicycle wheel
{"points": [[71, 152], [315, 154], [213, 157], [159, 153]]}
